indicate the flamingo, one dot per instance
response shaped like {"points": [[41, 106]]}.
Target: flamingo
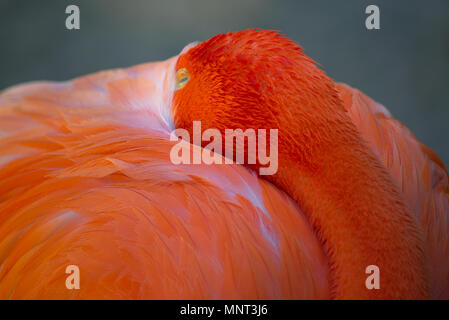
{"points": [[86, 180]]}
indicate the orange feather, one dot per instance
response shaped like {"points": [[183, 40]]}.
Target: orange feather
{"points": [[86, 179]]}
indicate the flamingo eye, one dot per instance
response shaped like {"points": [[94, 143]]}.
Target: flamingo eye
{"points": [[182, 77]]}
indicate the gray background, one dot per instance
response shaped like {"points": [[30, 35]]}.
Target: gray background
{"points": [[405, 65]]}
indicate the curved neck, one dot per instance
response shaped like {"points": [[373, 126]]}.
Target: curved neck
{"points": [[356, 210]]}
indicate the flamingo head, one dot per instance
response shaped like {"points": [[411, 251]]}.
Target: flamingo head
{"points": [[254, 79]]}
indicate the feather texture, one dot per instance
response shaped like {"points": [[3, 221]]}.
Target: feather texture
{"points": [[418, 172], [86, 179]]}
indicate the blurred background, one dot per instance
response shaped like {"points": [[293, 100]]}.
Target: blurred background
{"points": [[404, 65]]}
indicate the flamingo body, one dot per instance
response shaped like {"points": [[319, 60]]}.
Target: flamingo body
{"points": [[86, 180]]}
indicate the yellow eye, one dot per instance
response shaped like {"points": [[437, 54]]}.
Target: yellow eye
{"points": [[182, 77]]}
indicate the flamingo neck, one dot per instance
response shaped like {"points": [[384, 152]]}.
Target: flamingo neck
{"points": [[324, 163], [354, 207]]}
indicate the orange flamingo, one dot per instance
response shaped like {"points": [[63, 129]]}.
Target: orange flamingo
{"points": [[86, 180]]}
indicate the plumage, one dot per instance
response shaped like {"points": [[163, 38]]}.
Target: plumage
{"points": [[418, 172], [85, 179]]}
